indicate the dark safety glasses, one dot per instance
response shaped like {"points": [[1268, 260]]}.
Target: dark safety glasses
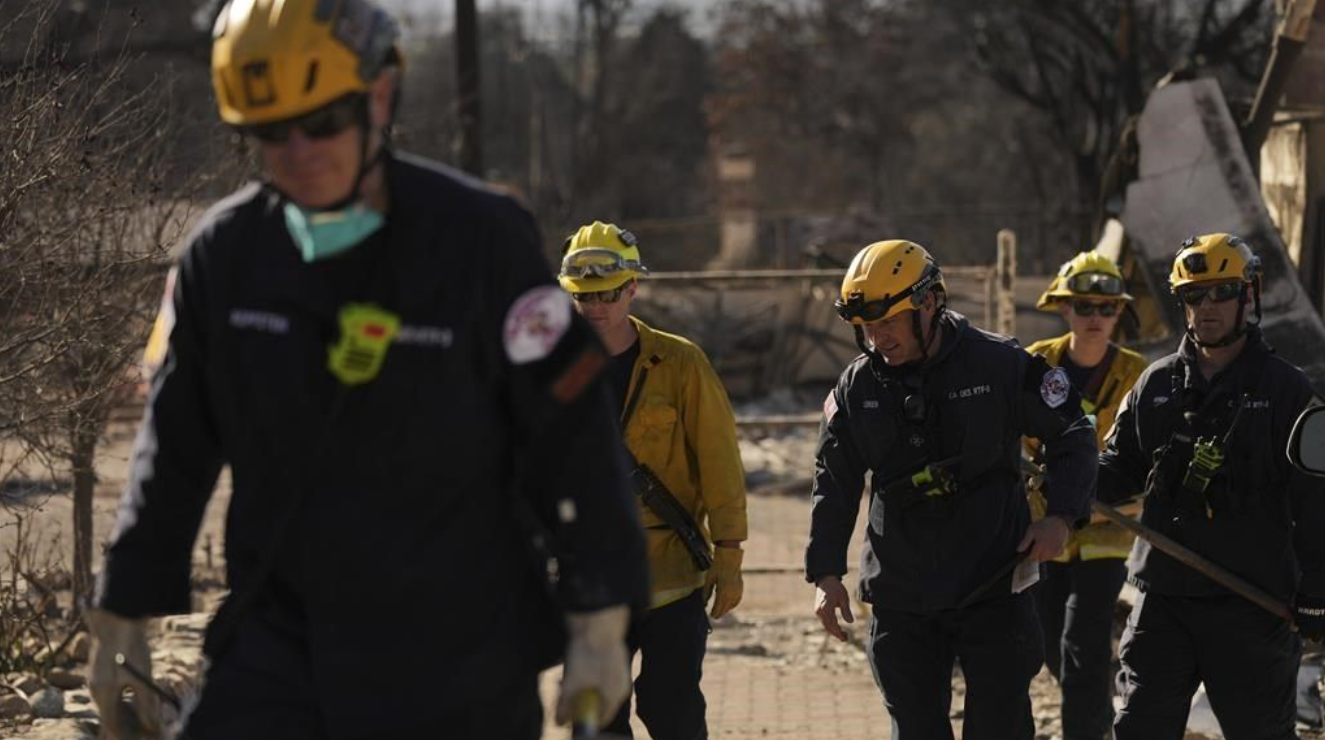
{"points": [[1088, 308], [867, 311], [1095, 282], [601, 296], [323, 123], [1194, 295], [856, 307]]}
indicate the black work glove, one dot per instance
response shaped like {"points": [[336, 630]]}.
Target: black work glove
{"points": [[1309, 612]]}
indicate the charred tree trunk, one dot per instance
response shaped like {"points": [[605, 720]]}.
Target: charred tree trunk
{"points": [[83, 446], [469, 146]]}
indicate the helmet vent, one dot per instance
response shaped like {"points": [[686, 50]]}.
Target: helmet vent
{"points": [[897, 267], [311, 80], [1223, 264]]}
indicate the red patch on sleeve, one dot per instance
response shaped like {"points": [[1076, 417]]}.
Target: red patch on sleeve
{"points": [[830, 405], [573, 381]]}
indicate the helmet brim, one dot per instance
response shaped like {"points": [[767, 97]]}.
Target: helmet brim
{"points": [[593, 284], [1051, 298]]}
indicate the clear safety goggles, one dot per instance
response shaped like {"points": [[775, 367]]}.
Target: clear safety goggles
{"points": [[1100, 283], [598, 263]]}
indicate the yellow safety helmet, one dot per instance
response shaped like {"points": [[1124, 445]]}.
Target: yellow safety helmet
{"points": [[274, 60], [599, 256], [885, 279], [1214, 257], [1087, 275]]}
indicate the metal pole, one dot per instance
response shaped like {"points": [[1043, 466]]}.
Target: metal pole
{"points": [[991, 300], [1006, 271], [1196, 562]]}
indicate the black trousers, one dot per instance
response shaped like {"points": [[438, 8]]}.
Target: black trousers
{"points": [[999, 646], [671, 641], [1246, 657], [1076, 604], [262, 689]]}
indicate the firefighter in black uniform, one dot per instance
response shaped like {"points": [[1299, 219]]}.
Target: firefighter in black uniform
{"points": [[1202, 435], [374, 345], [935, 410]]}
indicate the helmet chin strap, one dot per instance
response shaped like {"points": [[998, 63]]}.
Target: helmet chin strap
{"points": [[1240, 327], [864, 345], [366, 164], [933, 329]]}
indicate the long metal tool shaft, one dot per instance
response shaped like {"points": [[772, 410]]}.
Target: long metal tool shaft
{"points": [[1196, 562]]}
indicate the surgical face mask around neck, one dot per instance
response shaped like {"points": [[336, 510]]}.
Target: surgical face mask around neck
{"points": [[322, 234]]}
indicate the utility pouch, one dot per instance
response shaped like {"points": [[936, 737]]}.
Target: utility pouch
{"points": [[1207, 459], [930, 482]]}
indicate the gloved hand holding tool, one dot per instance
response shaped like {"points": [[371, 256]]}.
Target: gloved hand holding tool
{"points": [[117, 641], [596, 661], [724, 580]]}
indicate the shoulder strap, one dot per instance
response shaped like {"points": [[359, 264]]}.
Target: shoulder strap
{"points": [[635, 391], [1097, 376]]}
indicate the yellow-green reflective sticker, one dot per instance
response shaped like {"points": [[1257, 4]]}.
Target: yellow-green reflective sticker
{"points": [[366, 332]]}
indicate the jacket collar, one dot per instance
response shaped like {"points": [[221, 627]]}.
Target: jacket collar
{"points": [[1055, 348], [954, 326], [651, 347], [1255, 347]]}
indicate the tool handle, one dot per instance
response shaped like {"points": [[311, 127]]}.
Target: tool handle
{"points": [[584, 713], [1198, 563], [146, 680]]}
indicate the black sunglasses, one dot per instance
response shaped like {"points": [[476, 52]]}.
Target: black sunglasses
{"points": [[602, 296], [325, 122], [1088, 308], [1194, 296]]}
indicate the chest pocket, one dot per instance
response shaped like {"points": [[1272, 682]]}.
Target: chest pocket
{"points": [[279, 378], [651, 429], [877, 422], [976, 432]]}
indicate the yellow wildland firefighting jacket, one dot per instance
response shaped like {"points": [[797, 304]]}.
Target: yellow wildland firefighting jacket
{"points": [[1102, 539], [684, 430]]}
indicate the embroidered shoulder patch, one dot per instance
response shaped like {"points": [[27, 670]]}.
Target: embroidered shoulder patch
{"points": [[536, 321], [1055, 387], [830, 406]]}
